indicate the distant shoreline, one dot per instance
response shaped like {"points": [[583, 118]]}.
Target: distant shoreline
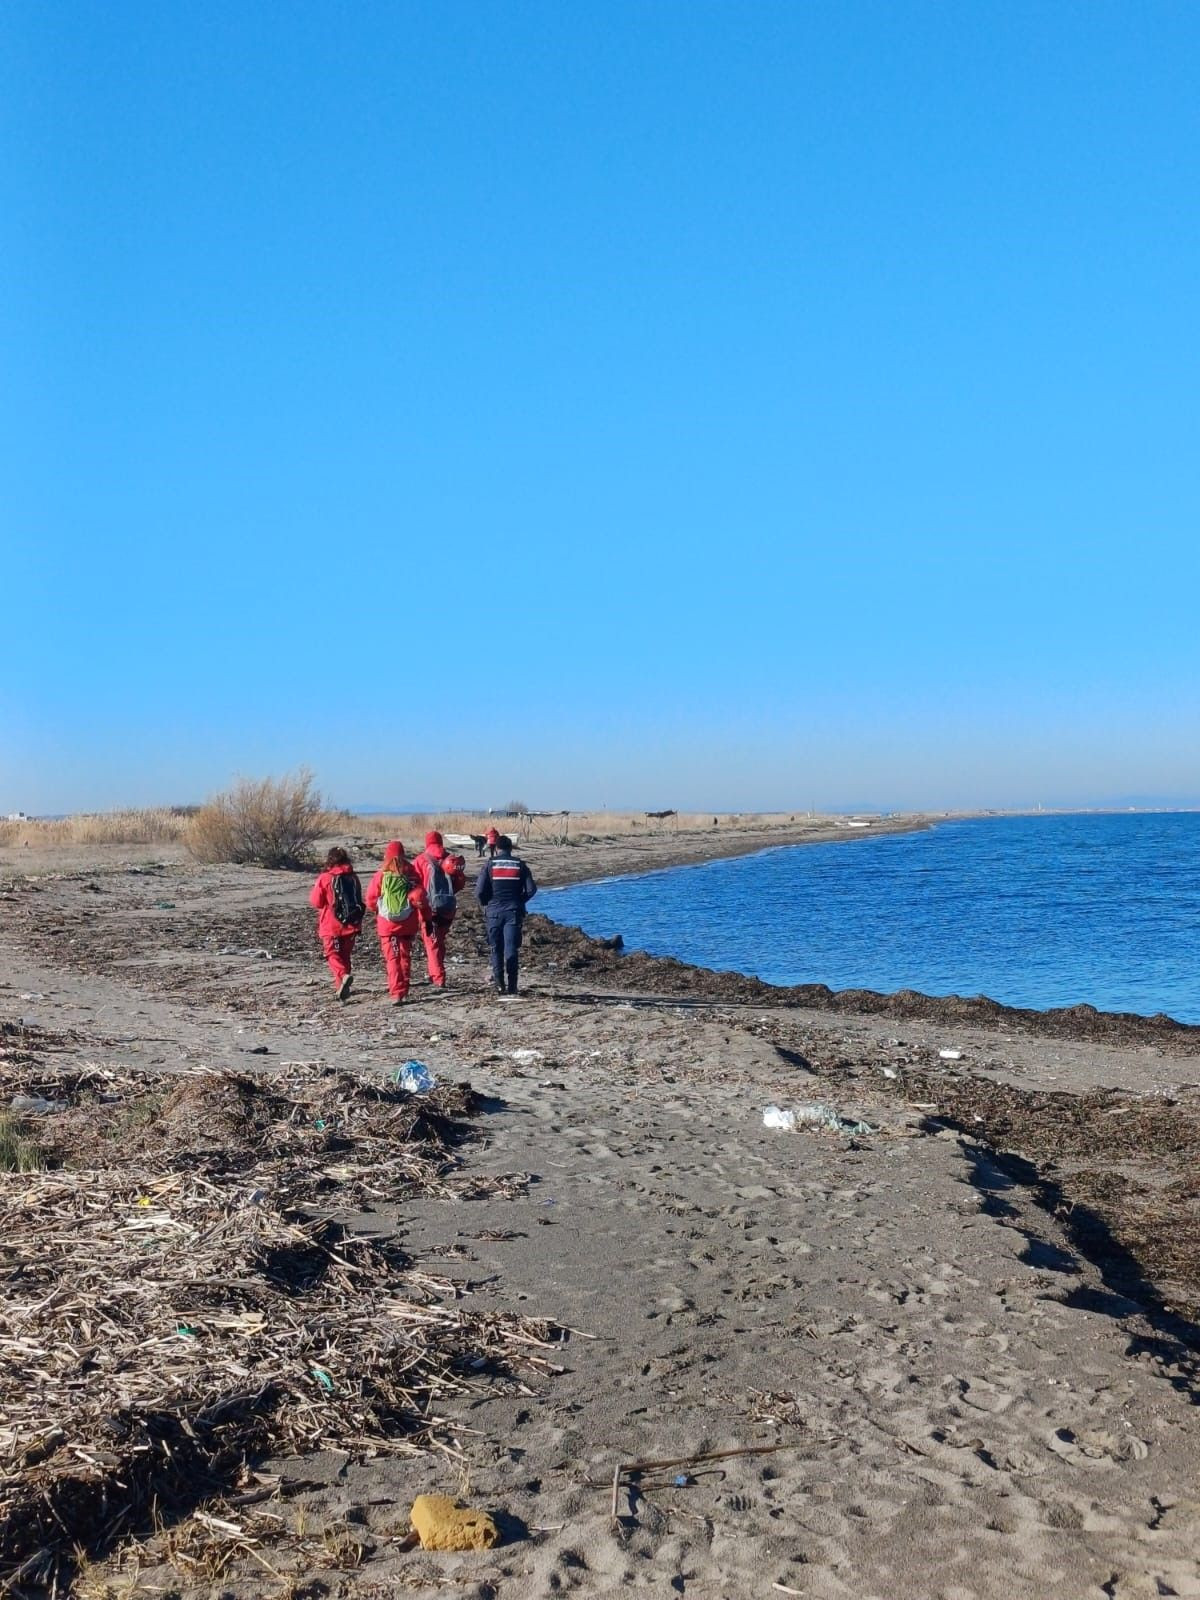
{"points": [[602, 860], [725, 848]]}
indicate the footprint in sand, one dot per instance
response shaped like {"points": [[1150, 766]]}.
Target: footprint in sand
{"points": [[984, 1396]]}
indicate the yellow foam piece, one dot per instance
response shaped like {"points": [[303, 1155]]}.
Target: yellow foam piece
{"points": [[442, 1525]]}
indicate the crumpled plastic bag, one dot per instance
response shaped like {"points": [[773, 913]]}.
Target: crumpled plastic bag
{"points": [[813, 1115], [440, 1524]]}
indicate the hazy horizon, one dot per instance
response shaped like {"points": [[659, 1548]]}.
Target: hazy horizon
{"points": [[1147, 803]]}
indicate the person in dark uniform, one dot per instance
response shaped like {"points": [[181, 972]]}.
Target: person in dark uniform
{"points": [[504, 887]]}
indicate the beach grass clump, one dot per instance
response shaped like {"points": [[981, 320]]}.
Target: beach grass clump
{"points": [[263, 822], [18, 1153]]}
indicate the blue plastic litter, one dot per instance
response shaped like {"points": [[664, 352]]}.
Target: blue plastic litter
{"points": [[414, 1076]]}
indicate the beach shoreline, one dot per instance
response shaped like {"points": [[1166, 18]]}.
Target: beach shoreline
{"points": [[943, 1329]]}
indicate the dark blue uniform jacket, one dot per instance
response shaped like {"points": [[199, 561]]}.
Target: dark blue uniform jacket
{"points": [[505, 883]]}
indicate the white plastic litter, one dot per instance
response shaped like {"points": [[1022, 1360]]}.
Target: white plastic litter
{"points": [[415, 1076], [817, 1115], [813, 1115], [525, 1058], [890, 1072], [36, 1105], [950, 1055]]}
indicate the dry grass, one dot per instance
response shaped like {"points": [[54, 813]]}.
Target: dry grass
{"points": [[17, 1152], [578, 826], [155, 825], [264, 822]]}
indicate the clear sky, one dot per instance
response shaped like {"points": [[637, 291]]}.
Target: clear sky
{"points": [[674, 403]]}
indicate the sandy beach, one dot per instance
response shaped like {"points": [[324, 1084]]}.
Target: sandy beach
{"points": [[952, 1356]]}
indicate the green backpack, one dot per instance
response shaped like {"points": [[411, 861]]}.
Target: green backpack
{"points": [[393, 896]]}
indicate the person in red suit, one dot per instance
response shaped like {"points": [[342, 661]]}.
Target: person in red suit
{"points": [[396, 897], [442, 877], [337, 896]]}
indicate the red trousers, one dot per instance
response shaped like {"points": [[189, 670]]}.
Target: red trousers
{"points": [[397, 958], [337, 952], [435, 950]]}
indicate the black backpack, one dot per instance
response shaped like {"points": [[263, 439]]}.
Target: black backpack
{"points": [[440, 892], [348, 905]]}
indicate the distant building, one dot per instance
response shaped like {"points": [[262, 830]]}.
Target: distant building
{"points": [[18, 816]]}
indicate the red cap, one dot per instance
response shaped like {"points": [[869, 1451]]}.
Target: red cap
{"points": [[394, 852], [433, 837]]}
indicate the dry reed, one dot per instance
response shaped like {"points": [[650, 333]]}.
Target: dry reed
{"points": [[155, 825], [174, 1306], [576, 826]]}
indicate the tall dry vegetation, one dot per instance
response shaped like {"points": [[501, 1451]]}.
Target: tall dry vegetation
{"points": [[155, 825], [264, 822], [575, 827]]}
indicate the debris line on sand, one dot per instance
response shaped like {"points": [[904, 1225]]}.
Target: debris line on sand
{"points": [[177, 1308]]}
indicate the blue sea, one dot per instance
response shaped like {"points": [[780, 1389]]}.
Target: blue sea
{"points": [[1031, 911]]}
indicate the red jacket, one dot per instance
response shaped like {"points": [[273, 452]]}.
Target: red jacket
{"points": [[407, 926], [321, 896], [452, 866]]}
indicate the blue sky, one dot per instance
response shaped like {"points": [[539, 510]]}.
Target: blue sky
{"points": [[653, 404]]}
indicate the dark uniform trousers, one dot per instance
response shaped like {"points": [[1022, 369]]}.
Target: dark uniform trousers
{"points": [[504, 940]]}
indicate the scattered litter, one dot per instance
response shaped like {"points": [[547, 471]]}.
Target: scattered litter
{"points": [[253, 952], [525, 1058], [30, 996], [415, 1076], [254, 1050], [164, 905], [682, 1480], [442, 1525], [36, 1105], [551, 1083], [890, 1072], [813, 1115], [950, 1055]]}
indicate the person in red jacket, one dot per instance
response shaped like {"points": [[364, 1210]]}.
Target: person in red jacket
{"points": [[442, 876], [339, 905], [396, 897]]}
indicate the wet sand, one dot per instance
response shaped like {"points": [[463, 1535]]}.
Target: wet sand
{"points": [[983, 1387]]}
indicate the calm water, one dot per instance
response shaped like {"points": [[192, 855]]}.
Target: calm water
{"points": [[1033, 911]]}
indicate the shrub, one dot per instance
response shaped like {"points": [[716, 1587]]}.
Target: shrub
{"points": [[267, 822]]}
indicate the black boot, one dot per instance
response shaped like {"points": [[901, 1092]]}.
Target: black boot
{"points": [[512, 977]]}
